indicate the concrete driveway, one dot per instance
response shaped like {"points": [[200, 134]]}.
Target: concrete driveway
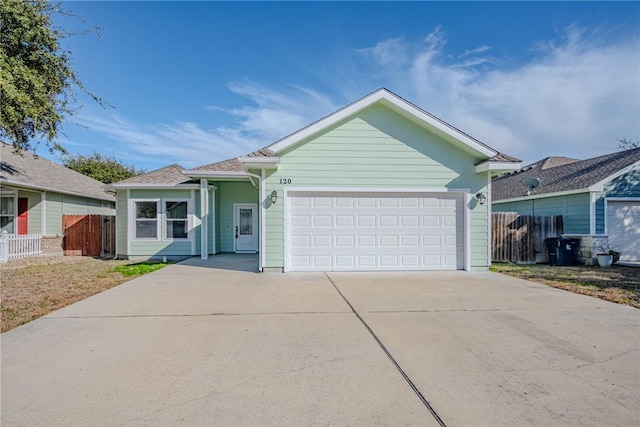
{"points": [[211, 343]]}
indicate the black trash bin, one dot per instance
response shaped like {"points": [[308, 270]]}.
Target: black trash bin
{"points": [[567, 251], [552, 247]]}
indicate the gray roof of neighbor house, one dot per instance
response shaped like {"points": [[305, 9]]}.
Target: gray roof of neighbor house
{"points": [[170, 175], [30, 171], [558, 174], [233, 165]]}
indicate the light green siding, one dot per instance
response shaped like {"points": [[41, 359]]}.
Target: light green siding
{"points": [[47, 207], [34, 218], [57, 204], [53, 209], [376, 148], [226, 195], [574, 208], [161, 247], [122, 208]]}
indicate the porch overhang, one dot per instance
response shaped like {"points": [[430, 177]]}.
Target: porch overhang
{"points": [[259, 162], [498, 167], [216, 175]]}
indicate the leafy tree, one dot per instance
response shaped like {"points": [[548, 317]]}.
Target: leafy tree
{"points": [[37, 82], [106, 169], [627, 144]]}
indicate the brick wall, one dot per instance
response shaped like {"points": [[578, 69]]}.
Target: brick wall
{"points": [[52, 245]]}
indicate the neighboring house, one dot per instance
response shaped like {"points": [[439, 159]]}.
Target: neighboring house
{"points": [[36, 192], [597, 197], [378, 185]]}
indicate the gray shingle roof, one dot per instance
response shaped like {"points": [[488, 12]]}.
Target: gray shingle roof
{"points": [[233, 165], [175, 174], [35, 172], [501, 157], [562, 174], [170, 175]]}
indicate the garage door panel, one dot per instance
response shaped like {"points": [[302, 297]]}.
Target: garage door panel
{"points": [[623, 228], [385, 232]]}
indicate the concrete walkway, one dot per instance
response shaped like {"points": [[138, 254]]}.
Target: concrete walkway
{"points": [[212, 343]]}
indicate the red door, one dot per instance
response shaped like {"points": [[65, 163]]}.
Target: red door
{"points": [[23, 215]]}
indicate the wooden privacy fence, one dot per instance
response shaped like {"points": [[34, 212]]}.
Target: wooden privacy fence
{"points": [[521, 238], [89, 235]]}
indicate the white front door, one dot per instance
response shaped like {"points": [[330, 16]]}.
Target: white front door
{"points": [[245, 221]]}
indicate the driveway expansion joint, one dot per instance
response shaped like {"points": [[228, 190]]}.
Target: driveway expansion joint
{"points": [[404, 375], [142, 316]]}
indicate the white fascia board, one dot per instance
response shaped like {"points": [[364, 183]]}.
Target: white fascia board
{"points": [[376, 190], [540, 196], [215, 174], [55, 190], [259, 162], [622, 199], [153, 186], [399, 105], [599, 186], [498, 167]]}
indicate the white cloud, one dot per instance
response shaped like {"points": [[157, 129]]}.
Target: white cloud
{"points": [[475, 51], [273, 115], [574, 98]]}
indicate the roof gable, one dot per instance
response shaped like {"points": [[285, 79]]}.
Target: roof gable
{"points": [[30, 171], [399, 105], [168, 175], [560, 174]]}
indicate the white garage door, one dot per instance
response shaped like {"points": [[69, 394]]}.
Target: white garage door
{"points": [[623, 227], [374, 231]]}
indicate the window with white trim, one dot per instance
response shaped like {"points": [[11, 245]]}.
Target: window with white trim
{"points": [[176, 219], [146, 219], [7, 214]]}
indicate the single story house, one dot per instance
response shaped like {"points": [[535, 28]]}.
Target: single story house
{"points": [[597, 197], [378, 185], [36, 192]]}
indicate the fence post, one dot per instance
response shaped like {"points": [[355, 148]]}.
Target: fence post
{"points": [[4, 246]]}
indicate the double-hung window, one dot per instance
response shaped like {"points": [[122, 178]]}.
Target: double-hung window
{"points": [[7, 214], [176, 220], [146, 219]]}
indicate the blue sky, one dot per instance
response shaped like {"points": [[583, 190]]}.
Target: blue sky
{"points": [[196, 82]]}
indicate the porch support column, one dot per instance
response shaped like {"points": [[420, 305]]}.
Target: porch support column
{"points": [[204, 218]]}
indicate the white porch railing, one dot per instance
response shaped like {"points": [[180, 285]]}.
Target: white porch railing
{"points": [[19, 246]]}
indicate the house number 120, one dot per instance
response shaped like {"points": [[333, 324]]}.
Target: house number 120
{"points": [[285, 180]]}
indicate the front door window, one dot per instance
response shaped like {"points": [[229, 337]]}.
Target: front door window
{"points": [[245, 221], [246, 228]]}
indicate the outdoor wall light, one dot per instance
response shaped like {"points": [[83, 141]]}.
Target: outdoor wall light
{"points": [[274, 196], [481, 198]]}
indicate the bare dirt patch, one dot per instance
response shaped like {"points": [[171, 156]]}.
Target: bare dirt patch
{"points": [[36, 286], [618, 284]]}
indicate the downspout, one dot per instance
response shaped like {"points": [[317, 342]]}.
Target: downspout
{"points": [[251, 176], [43, 227], [260, 188], [593, 197], [204, 218]]}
